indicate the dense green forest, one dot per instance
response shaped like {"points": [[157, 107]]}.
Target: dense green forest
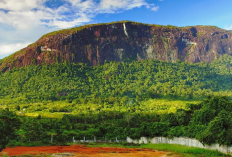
{"points": [[59, 102], [117, 82], [209, 121]]}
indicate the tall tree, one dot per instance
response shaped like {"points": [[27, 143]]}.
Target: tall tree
{"points": [[9, 123]]}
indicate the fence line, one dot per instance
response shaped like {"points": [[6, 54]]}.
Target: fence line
{"points": [[182, 141], [191, 142]]}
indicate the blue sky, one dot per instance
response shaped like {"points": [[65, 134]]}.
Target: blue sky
{"points": [[24, 21], [180, 13]]}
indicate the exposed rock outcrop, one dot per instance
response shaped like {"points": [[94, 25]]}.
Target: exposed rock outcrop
{"points": [[119, 41]]}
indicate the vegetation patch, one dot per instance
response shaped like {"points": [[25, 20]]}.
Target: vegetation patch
{"points": [[185, 150]]}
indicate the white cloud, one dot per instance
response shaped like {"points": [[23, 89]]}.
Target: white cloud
{"points": [[24, 21], [18, 5], [152, 7], [228, 27], [117, 5], [20, 19], [8, 48], [156, 8]]}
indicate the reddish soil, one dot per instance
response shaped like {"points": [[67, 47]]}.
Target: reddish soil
{"points": [[82, 151]]}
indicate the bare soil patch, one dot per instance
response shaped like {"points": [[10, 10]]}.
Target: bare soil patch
{"points": [[82, 151]]}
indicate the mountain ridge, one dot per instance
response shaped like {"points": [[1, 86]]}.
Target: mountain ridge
{"points": [[124, 40]]}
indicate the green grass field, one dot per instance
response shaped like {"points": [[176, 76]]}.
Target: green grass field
{"points": [[184, 151]]}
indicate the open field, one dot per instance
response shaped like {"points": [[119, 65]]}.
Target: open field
{"points": [[112, 150], [82, 151], [57, 109]]}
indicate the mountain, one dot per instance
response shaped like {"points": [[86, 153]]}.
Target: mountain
{"points": [[125, 40], [145, 91]]}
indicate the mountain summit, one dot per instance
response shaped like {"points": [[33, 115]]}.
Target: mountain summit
{"points": [[124, 40]]}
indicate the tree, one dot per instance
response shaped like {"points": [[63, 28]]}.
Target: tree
{"points": [[67, 135], [52, 133], [9, 123], [17, 108], [219, 130], [34, 130]]}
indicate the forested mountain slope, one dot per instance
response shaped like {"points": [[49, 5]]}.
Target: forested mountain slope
{"points": [[116, 81]]}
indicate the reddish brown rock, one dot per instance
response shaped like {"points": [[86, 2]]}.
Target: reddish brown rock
{"points": [[95, 44]]}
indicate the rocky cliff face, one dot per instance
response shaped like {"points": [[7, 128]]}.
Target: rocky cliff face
{"points": [[119, 41]]}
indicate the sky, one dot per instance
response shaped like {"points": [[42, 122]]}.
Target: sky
{"points": [[23, 22]]}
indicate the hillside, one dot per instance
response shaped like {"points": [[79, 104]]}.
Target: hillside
{"points": [[122, 41], [117, 82]]}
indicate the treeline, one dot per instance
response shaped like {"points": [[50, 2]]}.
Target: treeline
{"points": [[113, 81], [209, 121]]}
